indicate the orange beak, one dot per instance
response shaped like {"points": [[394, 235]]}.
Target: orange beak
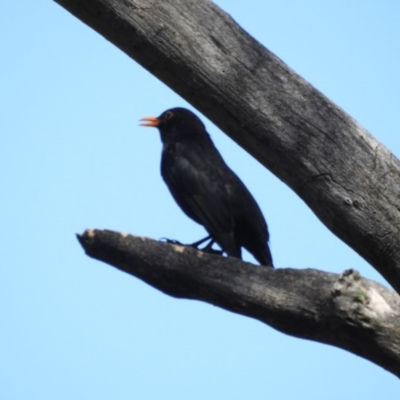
{"points": [[150, 122]]}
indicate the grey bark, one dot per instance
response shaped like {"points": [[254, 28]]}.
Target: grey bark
{"points": [[349, 180], [346, 311]]}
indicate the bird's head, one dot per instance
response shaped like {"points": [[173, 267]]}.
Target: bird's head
{"points": [[175, 124]]}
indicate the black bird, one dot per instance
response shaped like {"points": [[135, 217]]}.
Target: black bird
{"points": [[206, 189]]}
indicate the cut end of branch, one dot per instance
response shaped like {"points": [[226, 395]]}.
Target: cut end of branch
{"points": [[86, 237]]}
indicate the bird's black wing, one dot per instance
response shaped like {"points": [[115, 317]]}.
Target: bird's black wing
{"points": [[195, 183]]}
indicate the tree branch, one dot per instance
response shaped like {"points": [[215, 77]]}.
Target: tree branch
{"points": [[346, 177], [346, 311]]}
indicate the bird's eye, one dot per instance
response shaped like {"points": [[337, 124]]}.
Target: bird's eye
{"points": [[169, 115]]}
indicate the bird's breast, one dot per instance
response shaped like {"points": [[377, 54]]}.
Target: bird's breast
{"points": [[174, 157]]}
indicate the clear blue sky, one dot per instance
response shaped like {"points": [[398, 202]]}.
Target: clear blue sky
{"points": [[72, 157]]}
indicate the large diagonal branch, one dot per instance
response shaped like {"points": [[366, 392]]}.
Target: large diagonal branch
{"points": [[345, 310], [347, 178]]}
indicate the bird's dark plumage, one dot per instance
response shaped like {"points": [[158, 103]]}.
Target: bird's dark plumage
{"points": [[206, 189]]}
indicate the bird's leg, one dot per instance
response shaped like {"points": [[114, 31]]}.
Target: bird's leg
{"points": [[201, 241], [207, 249], [195, 244]]}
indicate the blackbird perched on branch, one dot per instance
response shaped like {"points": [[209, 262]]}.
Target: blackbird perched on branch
{"points": [[206, 189]]}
